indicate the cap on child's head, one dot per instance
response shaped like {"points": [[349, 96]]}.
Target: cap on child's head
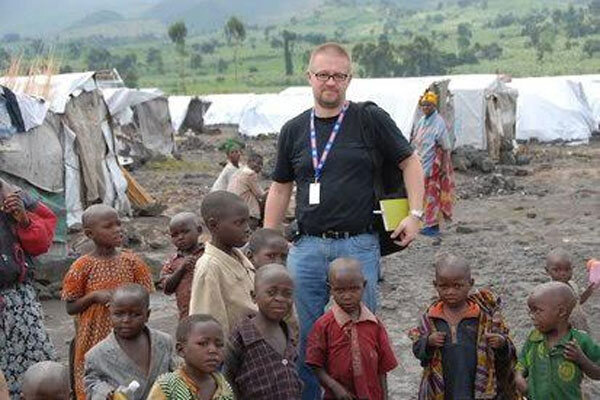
{"points": [[134, 290], [186, 324], [217, 205], [96, 212], [48, 380]]}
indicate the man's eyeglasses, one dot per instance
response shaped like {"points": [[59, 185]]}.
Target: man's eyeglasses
{"points": [[337, 77]]}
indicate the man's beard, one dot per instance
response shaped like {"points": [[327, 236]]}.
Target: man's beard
{"points": [[330, 103]]}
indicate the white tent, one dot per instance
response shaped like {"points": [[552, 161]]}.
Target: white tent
{"points": [[226, 109], [266, 114], [552, 108], [178, 108]]}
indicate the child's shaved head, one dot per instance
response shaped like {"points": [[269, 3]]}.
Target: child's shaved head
{"points": [[132, 290], [558, 255], [261, 237], [556, 293], [345, 267], [269, 272], [95, 213], [217, 205], [185, 218], [46, 380], [450, 263]]}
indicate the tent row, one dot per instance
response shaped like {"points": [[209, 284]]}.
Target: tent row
{"points": [[481, 109]]}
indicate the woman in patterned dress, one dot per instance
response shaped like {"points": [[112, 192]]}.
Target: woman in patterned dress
{"points": [[434, 145], [26, 230]]}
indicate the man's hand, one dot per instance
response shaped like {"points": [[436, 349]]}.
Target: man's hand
{"points": [[190, 263], [495, 340], [436, 339], [406, 231], [13, 205], [574, 353]]}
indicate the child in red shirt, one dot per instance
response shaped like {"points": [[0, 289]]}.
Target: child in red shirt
{"points": [[177, 273], [348, 347]]}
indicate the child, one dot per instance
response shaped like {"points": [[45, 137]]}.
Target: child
{"points": [[260, 357], [131, 352], [233, 150], [560, 269], [555, 357], [200, 343], [46, 380], [177, 273], [88, 285], [224, 277], [244, 183], [268, 246], [348, 347], [462, 341]]}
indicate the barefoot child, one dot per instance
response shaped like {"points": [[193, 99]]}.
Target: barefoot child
{"points": [[224, 277], [260, 357], [46, 380], [348, 347], [462, 340], [560, 269], [268, 246], [200, 343], [555, 357], [233, 150], [88, 285], [131, 352], [177, 273]]}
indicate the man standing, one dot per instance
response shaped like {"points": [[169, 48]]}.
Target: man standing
{"points": [[322, 151]]}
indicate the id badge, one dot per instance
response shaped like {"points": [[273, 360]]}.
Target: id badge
{"points": [[314, 194]]}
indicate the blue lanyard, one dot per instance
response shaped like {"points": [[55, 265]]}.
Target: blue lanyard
{"points": [[318, 165]]}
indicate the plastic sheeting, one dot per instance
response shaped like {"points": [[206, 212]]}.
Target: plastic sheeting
{"points": [[56, 89], [122, 100], [73, 196], [591, 89], [226, 109], [116, 190], [178, 108], [39, 159], [552, 108]]}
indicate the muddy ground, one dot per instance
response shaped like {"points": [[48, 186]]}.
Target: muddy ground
{"points": [[503, 229]]}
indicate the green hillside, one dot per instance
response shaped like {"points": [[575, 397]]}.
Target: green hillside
{"points": [[388, 38]]}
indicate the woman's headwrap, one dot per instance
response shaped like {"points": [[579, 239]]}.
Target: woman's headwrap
{"points": [[429, 97], [230, 145]]}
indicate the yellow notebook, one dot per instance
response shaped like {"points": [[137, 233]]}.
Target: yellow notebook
{"points": [[393, 211]]}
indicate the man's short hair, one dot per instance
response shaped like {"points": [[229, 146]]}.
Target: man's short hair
{"points": [[332, 48], [186, 325]]}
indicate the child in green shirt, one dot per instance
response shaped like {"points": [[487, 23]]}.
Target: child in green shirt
{"points": [[555, 356]]}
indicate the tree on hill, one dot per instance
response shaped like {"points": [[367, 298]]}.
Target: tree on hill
{"points": [[177, 34], [591, 47], [154, 58], [464, 36], [236, 34], [288, 49], [4, 60], [98, 58]]}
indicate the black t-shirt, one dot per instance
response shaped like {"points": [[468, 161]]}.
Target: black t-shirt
{"points": [[347, 196]]}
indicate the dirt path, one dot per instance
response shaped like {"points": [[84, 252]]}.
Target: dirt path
{"points": [[505, 238]]}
